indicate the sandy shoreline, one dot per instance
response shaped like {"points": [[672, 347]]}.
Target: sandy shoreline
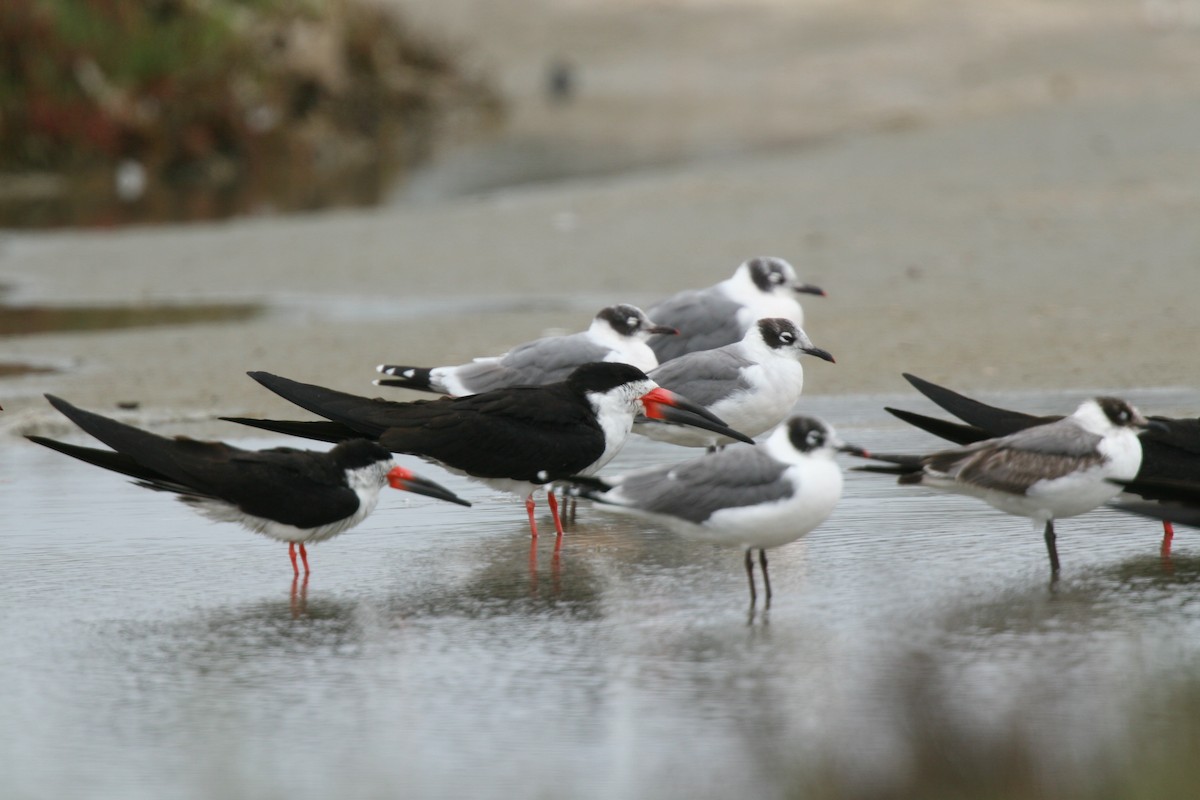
{"points": [[1050, 245]]}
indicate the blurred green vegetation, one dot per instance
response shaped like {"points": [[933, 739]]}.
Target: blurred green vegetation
{"points": [[212, 93], [950, 756]]}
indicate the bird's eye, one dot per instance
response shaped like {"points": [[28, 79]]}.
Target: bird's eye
{"points": [[815, 439], [632, 322], [1123, 416], [786, 338]]}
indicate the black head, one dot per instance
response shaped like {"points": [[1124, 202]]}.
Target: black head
{"points": [[807, 434], [358, 453], [770, 274], [624, 318], [600, 376], [779, 332], [1120, 413]]}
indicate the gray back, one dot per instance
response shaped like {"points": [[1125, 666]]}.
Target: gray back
{"points": [[705, 318], [706, 377], [737, 476]]}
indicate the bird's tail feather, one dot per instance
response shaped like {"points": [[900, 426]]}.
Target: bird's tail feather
{"points": [[105, 459], [956, 432], [405, 377], [352, 411], [909, 468], [117, 435], [320, 430], [998, 421], [587, 486]]}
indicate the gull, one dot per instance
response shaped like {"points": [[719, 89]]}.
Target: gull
{"points": [[753, 384], [721, 314], [1057, 469], [748, 496], [618, 333], [1170, 448]]}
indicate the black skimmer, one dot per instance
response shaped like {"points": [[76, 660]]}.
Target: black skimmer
{"points": [[753, 497], [721, 314], [1170, 448], [1057, 469], [516, 440], [618, 333], [294, 496], [752, 384]]}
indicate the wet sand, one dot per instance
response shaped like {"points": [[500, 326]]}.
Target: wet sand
{"points": [[1016, 212]]}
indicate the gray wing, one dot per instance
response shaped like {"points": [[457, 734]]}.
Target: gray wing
{"points": [[705, 377], [534, 363], [554, 357], [705, 318], [1014, 463], [695, 490], [1061, 437]]}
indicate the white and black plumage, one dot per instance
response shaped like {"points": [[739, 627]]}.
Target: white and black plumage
{"points": [[294, 496], [1058, 469], [1170, 447], [516, 439], [618, 333], [753, 497], [752, 384], [721, 314]]}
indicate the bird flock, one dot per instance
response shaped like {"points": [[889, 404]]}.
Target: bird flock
{"points": [[706, 368]]}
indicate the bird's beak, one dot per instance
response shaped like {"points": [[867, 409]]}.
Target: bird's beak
{"points": [[667, 406], [819, 353], [853, 450], [1154, 425], [808, 288], [400, 478], [665, 329]]}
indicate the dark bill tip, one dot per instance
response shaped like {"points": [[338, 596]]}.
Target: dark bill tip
{"points": [[400, 478], [819, 353], [680, 416], [808, 288]]}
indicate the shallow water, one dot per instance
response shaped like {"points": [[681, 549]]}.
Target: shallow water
{"points": [[149, 653]]}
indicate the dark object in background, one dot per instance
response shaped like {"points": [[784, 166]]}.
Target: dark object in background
{"points": [[562, 81]]}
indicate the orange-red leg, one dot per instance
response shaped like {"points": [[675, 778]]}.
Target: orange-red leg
{"points": [[304, 558], [1168, 537], [554, 512], [532, 522], [292, 555]]}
